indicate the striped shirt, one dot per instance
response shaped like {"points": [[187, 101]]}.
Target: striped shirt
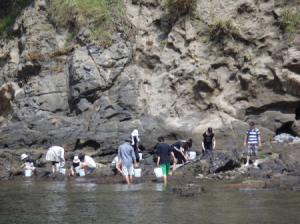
{"points": [[253, 135]]}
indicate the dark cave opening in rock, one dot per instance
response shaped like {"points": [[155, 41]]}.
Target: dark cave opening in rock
{"points": [[286, 128], [297, 112]]}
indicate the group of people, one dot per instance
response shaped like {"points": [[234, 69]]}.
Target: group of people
{"points": [[128, 156]]}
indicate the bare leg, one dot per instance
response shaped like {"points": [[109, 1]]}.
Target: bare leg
{"points": [[53, 168], [57, 167], [248, 157], [165, 179], [127, 179], [254, 158], [131, 177]]}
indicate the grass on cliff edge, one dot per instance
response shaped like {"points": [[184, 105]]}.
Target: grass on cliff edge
{"points": [[100, 16], [289, 20]]}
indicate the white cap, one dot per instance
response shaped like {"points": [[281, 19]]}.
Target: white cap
{"points": [[23, 156], [135, 132]]}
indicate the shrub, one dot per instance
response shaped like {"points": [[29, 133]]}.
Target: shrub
{"points": [[101, 14], [175, 8], [289, 20], [219, 27]]}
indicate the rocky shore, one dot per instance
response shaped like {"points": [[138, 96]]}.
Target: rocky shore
{"points": [[278, 168]]}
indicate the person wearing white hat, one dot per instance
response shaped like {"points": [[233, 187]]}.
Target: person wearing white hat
{"points": [[134, 142], [76, 163], [55, 154], [29, 163]]}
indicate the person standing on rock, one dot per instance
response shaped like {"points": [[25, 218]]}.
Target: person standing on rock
{"points": [[55, 154], [163, 151], [179, 149], [29, 163], [126, 155], [253, 138], [208, 141], [87, 163], [135, 139]]}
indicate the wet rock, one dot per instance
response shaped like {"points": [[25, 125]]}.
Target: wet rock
{"points": [[275, 165]]}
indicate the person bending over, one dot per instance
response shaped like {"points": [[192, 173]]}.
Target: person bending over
{"points": [[163, 151], [87, 163], [55, 154], [75, 166], [208, 141], [29, 163], [179, 149]]}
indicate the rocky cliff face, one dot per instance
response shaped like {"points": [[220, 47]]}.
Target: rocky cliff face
{"points": [[174, 84]]}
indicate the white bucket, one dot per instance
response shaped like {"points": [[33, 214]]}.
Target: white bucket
{"points": [[141, 156], [158, 172], [27, 173], [77, 169], [192, 155], [137, 172], [62, 170], [81, 172]]}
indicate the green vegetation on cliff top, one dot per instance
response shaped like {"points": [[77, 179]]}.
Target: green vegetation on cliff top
{"points": [[100, 16]]}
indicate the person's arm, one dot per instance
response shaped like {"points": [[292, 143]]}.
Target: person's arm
{"points": [[158, 154], [118, 166], [62, 155], [203, 144], [158, 160], [72, 170], [28, 164], [137, 146], [245, 139], [214, 141], [175, 160], [259, 141], [84, 164]]}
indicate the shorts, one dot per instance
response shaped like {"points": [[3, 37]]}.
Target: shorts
{"points": [[165, 168], [252, 149], [208, 148], [92, 166], [127, 170]]}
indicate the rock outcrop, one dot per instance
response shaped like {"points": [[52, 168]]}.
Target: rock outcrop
{"points": [[175, 84]]}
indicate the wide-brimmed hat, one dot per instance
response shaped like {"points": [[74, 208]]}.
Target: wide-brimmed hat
{"points": [[128, 140], [135, 132], [23, 156], [76, 159]]}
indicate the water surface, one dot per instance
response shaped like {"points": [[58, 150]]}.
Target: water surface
{"points": [[77, 201]]}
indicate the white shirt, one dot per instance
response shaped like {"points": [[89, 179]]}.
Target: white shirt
{"points": [[114, 162], [60, 151], [89, 160]]}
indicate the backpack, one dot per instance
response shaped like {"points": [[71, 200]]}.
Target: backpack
{"points": [[256, 130]]}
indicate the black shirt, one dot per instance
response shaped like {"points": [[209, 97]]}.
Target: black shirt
{"points": [[75, 164], [135, 142], [30, 160], [177, 145], [208, 139], [163, 151]]}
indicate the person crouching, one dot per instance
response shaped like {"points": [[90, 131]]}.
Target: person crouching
{"points": [[75, 166], [87, 163], [29, 163], [125, 156]]}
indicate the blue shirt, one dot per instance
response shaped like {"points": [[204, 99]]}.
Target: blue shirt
{"points": [[253, 135], [126, 154]]}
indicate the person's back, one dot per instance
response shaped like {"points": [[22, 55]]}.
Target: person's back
{"points": [[31, 160], [163, 150], [126, 154]]}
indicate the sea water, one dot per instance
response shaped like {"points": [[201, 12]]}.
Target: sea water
{"points": [[79, 201]]}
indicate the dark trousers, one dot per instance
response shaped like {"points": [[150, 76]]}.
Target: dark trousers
{"points": [[178, 155], [137, 156], [208, 148]]}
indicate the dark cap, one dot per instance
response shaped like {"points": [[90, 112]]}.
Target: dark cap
{"points": [[128, 140], [251, 123]]}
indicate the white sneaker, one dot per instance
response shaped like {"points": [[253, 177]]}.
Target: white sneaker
{"points": [[247, 164], [255, 164]]}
